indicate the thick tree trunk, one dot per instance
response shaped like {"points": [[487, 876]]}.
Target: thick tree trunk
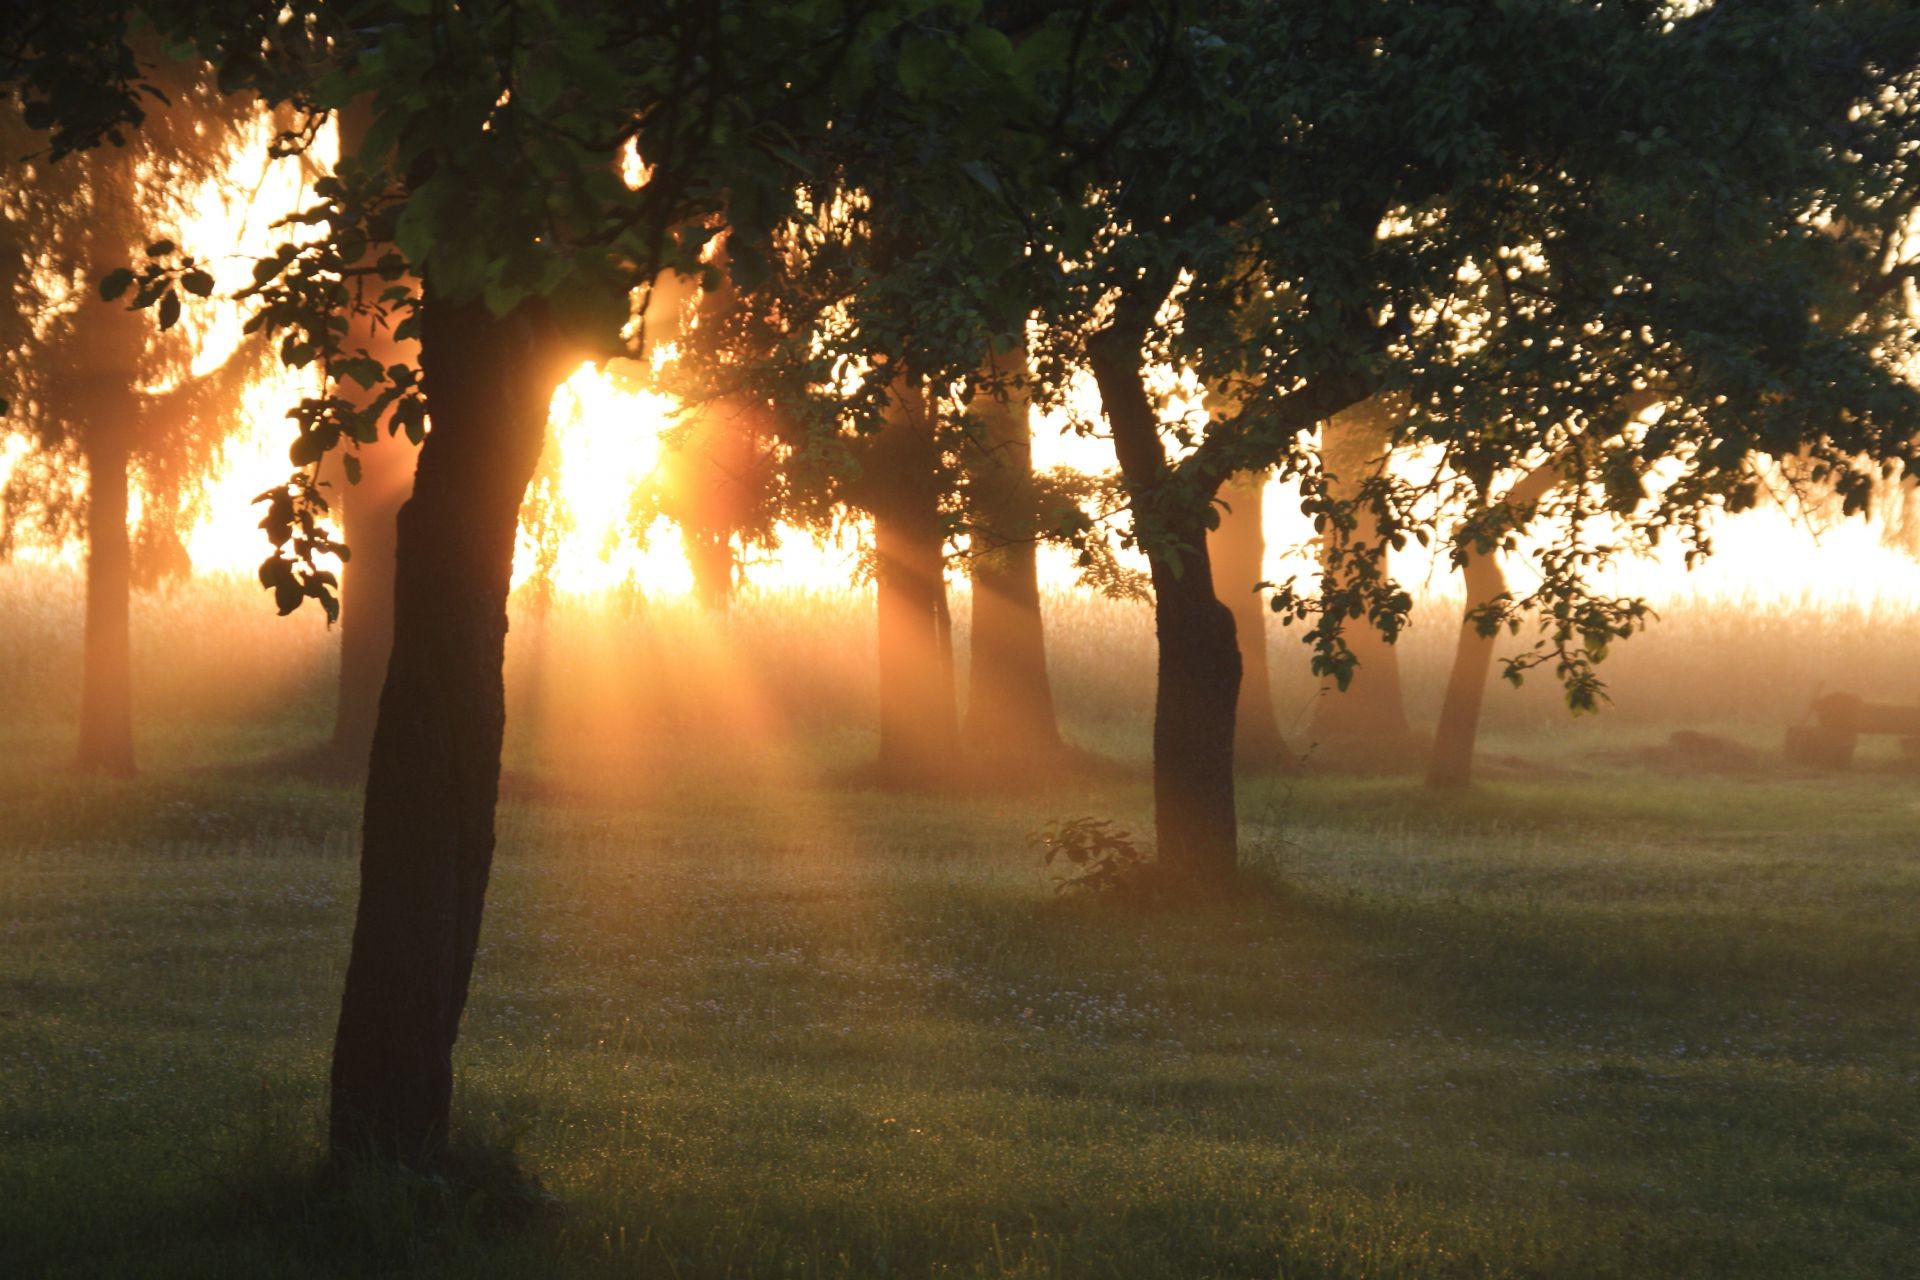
{"points": [[1366, 723], [1238, 549], [106, 678], [1198, 681], [434, 770], [1451, 765], [1198, 687], [1010, 713], [370, 513], [919, 726]]}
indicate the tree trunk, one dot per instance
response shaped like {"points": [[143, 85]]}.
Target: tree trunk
{"points": [[1238, 549], [1198, 683], [1365, 723], [1010, 712], [1451, 765], [106, 678], [1195, 826], [919, 727], [711, 560], [434, 770], [370, 512]]}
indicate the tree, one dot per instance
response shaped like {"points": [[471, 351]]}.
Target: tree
{"points": [[378, 480], [901, 487], [1237, 550], [490, 172], [1503, 255], [1363, 722], [718, 477], [1010, 723], [114, 411]]}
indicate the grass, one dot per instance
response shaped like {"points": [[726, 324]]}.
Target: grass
{"points": [[745, 1019]]}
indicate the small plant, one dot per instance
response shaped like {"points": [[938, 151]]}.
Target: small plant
{"points": [[1100, 857]]}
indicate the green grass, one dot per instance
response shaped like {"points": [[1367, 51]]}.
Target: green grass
{"points": [[1602, 1024], [743, 1017]]}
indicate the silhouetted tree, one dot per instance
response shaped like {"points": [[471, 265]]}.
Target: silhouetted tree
{"points": [[1363, 724], [114, 411], [1237, 548], [1010, 723], [378, 483]]}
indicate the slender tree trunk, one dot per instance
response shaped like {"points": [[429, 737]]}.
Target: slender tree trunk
{"points": [[1198, 678], [1010, 711], [919, 727], [434, 771], [1367, 721], [1238, 549], [106, 679], [370, 512], [1451, 766]]}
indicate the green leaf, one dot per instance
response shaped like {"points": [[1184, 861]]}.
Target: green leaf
{"points": [[413, 232], [197, 283], [989, 48], [169, 309]]}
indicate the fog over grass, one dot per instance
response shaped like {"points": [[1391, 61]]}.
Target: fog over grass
{"points": [[747, 1017]]}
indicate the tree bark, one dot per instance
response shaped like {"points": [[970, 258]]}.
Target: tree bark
{"points": [[919, 725], [1237, 547], [1198, 676], [106, 679], [1010, 712], [1365, 723], [1451, 765], [370, 513], [434, 768]]}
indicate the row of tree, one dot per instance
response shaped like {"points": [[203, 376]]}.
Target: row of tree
{"points": [[1494, 233]]}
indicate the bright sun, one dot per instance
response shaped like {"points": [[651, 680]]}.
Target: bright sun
{"points": [[606, 439]]}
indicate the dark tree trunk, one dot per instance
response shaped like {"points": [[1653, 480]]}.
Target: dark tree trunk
{"points": [[1194, 703], [1010, 712], [919, 727], [1364, 724], [1238, 549], [370, 512], [106, 678], [434, 770], [1198, 686], [1451, 765]]}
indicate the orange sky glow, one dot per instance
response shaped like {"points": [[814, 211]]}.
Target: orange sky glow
{"points": [[605, 439]]}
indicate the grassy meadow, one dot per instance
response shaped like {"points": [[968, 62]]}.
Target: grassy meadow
{"points": [[1609, 1015]]}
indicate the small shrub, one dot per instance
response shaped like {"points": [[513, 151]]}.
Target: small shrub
{"points": [[1100, 857]]}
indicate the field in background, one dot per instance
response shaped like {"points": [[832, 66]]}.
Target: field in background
{"points": [[620, 674], [746, 1017]]}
